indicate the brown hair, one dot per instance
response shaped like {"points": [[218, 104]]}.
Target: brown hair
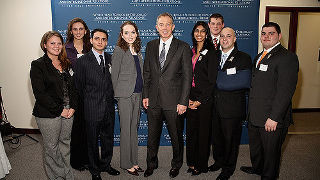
{"points": [[86, 37], [62, 57], [123, 44]]}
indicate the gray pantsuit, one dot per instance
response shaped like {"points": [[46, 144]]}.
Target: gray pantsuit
{"points": [[56, 134], [129, 112]]}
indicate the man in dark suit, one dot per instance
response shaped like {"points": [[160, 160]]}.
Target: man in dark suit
{"points": [[233, 81], [274, 79], [93, 81], [167, 76], [216, 23]]}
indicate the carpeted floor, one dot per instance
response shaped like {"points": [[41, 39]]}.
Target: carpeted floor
{"points": [[301, 160]]}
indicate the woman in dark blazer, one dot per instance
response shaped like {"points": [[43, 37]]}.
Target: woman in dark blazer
{"points": [[78, 43], [199, 113], [55, 104], [127, 83]]}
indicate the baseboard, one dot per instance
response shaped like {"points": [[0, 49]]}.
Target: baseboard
{"points": [[306, 110], [26, 131]]}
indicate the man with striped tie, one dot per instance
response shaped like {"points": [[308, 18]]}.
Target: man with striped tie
{"points": [[216, 23]]}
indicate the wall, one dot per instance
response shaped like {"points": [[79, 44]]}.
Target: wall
{"points": [[23, 24]]}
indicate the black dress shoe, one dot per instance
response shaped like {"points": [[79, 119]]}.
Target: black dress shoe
{"points": [[222, 177], [96, 177], [148, 172], [139, 169], [190, 170], [214, 167], [173, 172], [196, 172], [135, 172], [112, 171], [249, 170]]}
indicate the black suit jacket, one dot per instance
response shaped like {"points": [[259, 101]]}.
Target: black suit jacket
{"points": [[205, 75], [232, 104], [171, 85], [47, 86], [94, 87], [272, 89]]}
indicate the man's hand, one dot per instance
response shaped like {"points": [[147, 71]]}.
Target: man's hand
{"points": [[194, 105], [70, 113], [145, 103], [181, 109], [270, 125]]}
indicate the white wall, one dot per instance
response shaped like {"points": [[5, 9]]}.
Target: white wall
{"points": [[23, 22], [22, 25]]}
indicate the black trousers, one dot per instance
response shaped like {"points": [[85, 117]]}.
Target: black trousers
{"points": [[198, 133], [175, 125], [102, 130], [78, 145], [265, 150], [226, 141]]}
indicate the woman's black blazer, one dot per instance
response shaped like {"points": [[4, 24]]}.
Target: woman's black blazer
{"points": [[47, 86]]}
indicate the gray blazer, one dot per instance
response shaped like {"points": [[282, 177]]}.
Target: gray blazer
{"points": [[124, 73]]}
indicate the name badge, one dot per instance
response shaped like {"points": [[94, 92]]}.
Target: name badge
{"points": [[231, 71], [263, 67]]}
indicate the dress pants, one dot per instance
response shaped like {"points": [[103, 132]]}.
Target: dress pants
{"points": [[129, 113], [175, 125], [265, 150], [79, 148], [56, 134], [102, 130], [226, 138], [198, 131]]}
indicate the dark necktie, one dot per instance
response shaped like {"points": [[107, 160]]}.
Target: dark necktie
{"points": [[162, 56], [102, 64]]}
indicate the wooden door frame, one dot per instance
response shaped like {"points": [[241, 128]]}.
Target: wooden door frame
{"points": [[294, 11]]}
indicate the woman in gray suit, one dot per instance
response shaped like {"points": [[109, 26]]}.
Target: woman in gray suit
{"points": [[127, 83]]}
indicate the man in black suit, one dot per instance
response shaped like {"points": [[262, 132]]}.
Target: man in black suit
{"points": [[274, 79], [233, 81], [93, 81], [216, 23], [167, 73]]}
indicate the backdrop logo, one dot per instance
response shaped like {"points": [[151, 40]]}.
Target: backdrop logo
{"points": [[228, 3], [190, 17], [243, 34], [156, 3], [84, 3], [119, 17]]}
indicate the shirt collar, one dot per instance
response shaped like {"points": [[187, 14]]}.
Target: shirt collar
{"points": [[227, 53], [168, 42], [271, 47], [96, 54], [218, 37]]}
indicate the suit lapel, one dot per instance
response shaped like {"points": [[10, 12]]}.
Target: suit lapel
{"points": [[156, 49], [172, 50], [94, 63], [266, 59], [230, 59], [55, 73]]}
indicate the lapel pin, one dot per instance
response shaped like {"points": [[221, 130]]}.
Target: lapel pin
{"points": [[268, 56], [231, 59], [200, 57]]}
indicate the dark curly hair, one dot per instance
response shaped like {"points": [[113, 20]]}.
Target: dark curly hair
{"points": [[123, 44]]}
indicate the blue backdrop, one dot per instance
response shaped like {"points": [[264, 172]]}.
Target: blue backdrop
{"points": [[241, 15]]}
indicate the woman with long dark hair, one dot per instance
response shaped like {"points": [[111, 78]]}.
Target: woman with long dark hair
{"points": [[199, 113], [77, 44], [127, 83], [55, 104]]}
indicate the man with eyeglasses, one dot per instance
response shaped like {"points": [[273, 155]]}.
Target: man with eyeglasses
{"points": [[93, 82], [274, 79], [233, 82]]}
